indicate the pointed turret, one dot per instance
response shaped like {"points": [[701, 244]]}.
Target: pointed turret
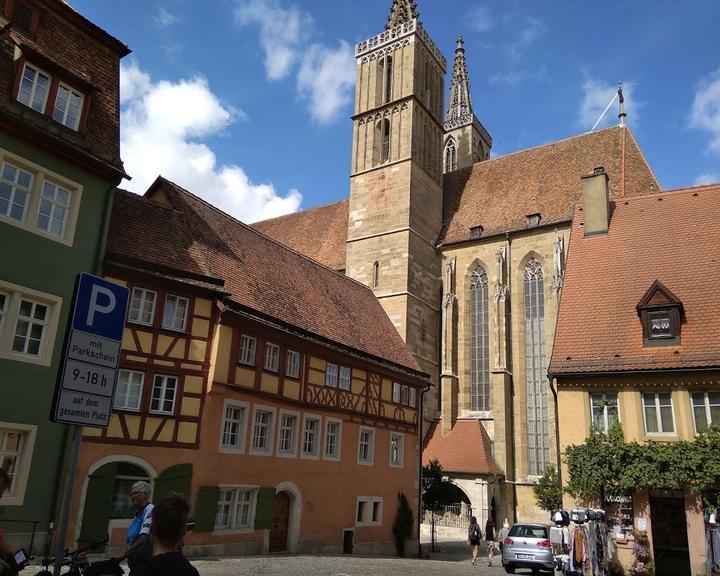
{"points": [[402, 11], [466, 140], [460, 108]]}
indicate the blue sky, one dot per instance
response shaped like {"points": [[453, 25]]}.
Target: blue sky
{"points": [[248, 102]]}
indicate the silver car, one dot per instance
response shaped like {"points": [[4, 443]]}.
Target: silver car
{"points": [[527, 546]]}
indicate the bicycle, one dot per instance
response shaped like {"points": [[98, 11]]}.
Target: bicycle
{"points": [[79, 565]]}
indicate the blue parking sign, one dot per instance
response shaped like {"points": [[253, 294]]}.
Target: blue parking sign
{"points": [[100, 307]]}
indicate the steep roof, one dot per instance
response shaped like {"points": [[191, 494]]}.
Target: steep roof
{"points": [[261, 275], [499, 194], [465, 450], [318, 233], [670, 237]]}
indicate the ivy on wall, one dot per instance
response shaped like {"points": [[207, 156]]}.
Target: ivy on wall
{"points": [[607, 464]]}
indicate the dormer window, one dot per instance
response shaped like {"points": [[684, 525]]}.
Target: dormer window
{"points": [[660, 312], [51, 96], [476, 232], [532, 220]]}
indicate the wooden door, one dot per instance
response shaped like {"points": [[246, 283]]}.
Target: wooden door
{"points": [[280, 522], [98, 504], [669, 533]]}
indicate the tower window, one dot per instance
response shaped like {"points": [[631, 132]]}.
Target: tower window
{"points": [[376, 275], [381, 152], [385, 80], [450, 155]]}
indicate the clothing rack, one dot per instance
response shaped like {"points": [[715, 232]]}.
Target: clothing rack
{"points": [[584, 549]]}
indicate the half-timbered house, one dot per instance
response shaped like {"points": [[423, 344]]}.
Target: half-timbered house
{"points": [[273, 391]]}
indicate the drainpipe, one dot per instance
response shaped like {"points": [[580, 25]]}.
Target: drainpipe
{"points": [[420, 466], [557, 433]]}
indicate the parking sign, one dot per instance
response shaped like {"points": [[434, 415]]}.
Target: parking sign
{"points": [[86, 383]]}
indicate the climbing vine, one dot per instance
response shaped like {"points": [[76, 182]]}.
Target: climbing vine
{"points": [[606, 463]]}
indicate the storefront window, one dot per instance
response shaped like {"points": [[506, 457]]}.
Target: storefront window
{"points": [[127, 475]]}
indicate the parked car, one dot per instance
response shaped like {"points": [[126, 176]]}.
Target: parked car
{"points": [[527, 546]]}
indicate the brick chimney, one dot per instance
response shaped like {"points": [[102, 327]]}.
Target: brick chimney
{"points": [[596, 202]]}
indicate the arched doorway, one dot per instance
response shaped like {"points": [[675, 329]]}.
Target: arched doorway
{"points": [[107, 498], [280, 523]]}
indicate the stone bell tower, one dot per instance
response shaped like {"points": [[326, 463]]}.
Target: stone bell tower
{"points": [[396, 197], [466, 139]]}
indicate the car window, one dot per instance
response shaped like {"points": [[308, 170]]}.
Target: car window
{"points": [[524, 531]]}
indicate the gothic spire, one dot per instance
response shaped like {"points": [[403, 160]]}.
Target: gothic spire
{"points": [[402, 11], [460, 108]]}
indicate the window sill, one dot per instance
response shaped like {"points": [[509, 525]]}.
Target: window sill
{"points": [[139, 323], [38, 231], [332, 458], [365, 463], [310, 457], [257, 452], [289, 455], [126, 410], [231, 450], [158, 413], [174, 330], [231, 531], [397, 466], [40, 360]]}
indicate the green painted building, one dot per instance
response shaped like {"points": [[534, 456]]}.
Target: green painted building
{"points": [[59, 162]]}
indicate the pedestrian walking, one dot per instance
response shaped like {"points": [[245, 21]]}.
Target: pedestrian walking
{"points": [[168, 527], [503, 533], [139, 547], [474, 538], [490, 539]]}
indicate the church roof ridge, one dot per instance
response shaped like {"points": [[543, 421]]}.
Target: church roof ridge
{"points": [[304, 211]]}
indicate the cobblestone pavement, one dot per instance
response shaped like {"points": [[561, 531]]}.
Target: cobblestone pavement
{"points": [[451, 559], [341, 566]]}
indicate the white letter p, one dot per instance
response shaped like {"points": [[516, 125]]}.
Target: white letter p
{"points": [[95, 307]]}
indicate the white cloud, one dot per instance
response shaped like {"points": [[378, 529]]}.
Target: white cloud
{"points": [[707, 178], [480, 19], [163, 18], [597, 95], [532, 30], [162, 126], [326, 78], [706, 108], [513, 77], [282, 32]]}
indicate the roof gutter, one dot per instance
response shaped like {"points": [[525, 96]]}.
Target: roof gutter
{"points": [[632, 372], [501, 233]]}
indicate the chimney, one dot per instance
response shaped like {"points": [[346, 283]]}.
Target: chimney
{"points": [[596, 203]]}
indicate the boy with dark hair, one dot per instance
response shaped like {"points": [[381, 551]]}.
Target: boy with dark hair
{"points": [[168, 527]]}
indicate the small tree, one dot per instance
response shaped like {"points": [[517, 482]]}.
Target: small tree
{"points": [[436, 490], [548, 490], [402, 528]]}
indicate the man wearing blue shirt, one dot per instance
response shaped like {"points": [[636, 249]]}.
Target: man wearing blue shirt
{"points": [[139, 547]]}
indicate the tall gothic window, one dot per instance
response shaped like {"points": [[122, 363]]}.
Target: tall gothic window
{"points": [[384, 81], [450, 155], [537, 399], [376, 275], [479, 336], [381, 152]]}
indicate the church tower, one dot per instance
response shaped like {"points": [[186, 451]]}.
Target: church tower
{"points": [[466, 140], [396, 197]]}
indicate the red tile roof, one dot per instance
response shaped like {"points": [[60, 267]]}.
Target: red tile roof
{"points": [[259, 274], [319, 233], [465, 450], [499, 194], [670, 237]]}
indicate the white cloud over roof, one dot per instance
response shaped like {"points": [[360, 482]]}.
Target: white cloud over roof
{"points": [[162, 127]]}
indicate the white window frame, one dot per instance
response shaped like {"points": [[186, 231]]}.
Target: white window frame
{"points": [[122, 403], [55, 206], [294, 364], [163, 393], [315, 454], [238, 448], [15, 187], [272, 357], [656, 397], [40, 175], [14, 296], [369, 507], [31, 321], [143, 295], [248, 350], [344, 378], [338, 439], [16, 497], [38, 71], [396, 392], [370, 460], [705, 405], [292, 453], [233, 527], [268, 449], [401, 450], [331, 375], [71, 91], [593, 396], [175, 316]]}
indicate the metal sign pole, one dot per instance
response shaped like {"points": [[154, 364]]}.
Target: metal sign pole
{"points": [[61, 534]]}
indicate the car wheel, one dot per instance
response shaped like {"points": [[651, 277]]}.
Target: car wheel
{"points": [[510, 569]]}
